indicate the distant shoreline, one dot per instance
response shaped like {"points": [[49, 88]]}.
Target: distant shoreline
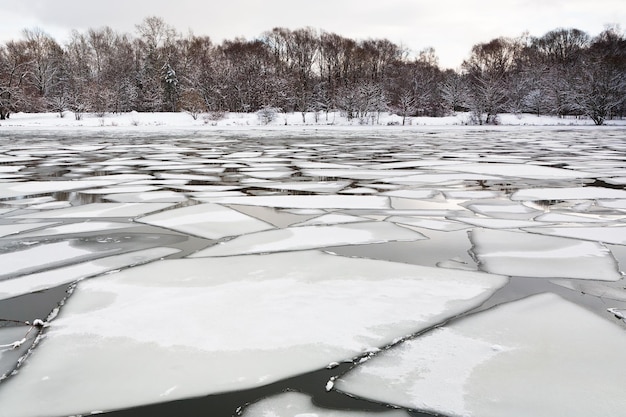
{"points": [[281, 122]]}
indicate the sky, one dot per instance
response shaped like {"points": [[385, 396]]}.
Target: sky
{"points": [[451, 27]]}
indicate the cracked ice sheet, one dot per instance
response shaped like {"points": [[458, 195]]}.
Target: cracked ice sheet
{"points": [[608, 234], [49, 279], [311, 237], [532, 255], [310, 202], [541, 357], [137, 333], [295, 404], [99, 210], [210, 221]]}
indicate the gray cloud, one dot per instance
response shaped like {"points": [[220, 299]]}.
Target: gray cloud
{"points": [[450, 26]]}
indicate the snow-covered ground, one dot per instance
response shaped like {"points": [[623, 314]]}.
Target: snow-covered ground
{"points": [[462, 271], [141, 121]]}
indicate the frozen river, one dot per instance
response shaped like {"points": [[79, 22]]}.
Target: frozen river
{"points": [[337, 273]]}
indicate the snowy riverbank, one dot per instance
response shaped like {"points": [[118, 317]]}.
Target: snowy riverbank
{"points": [[182, 120]]}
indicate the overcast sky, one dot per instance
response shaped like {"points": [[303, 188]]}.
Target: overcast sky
{"points": [[450, 26]]}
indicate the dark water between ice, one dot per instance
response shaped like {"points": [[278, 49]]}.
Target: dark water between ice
{"points": [[243, 159]]}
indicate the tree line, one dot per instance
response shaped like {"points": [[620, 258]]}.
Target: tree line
{"points": [[564, 72]]}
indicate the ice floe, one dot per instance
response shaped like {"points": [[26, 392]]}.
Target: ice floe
{"points": [[435, 224], [541, 357], [521, 170], [331, 218], [147, 197], [15, 228], [14, 343], [311, 237], [295, 404], [311, 201], [219, 324], [21, 189], [211, 221], [596, 289], [99, 210], [65, 275], [614, 235], [532, 255], [83, 227], [502, 209], [33, 258], [571, 193]]}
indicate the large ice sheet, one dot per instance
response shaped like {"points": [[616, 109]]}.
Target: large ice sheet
{"points": [[541, 357], [99, 210], [65, 275], [180, 328], [211, 221], [311, 237], [295, 404], [532, 255]]}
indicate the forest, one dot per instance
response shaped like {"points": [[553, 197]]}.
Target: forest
{"points": [[564, 72]]}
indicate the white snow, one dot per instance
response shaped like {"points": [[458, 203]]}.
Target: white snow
{"points": [[523, 358], [173, 323], [134, 121], [531, 255], [211, 221]]}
